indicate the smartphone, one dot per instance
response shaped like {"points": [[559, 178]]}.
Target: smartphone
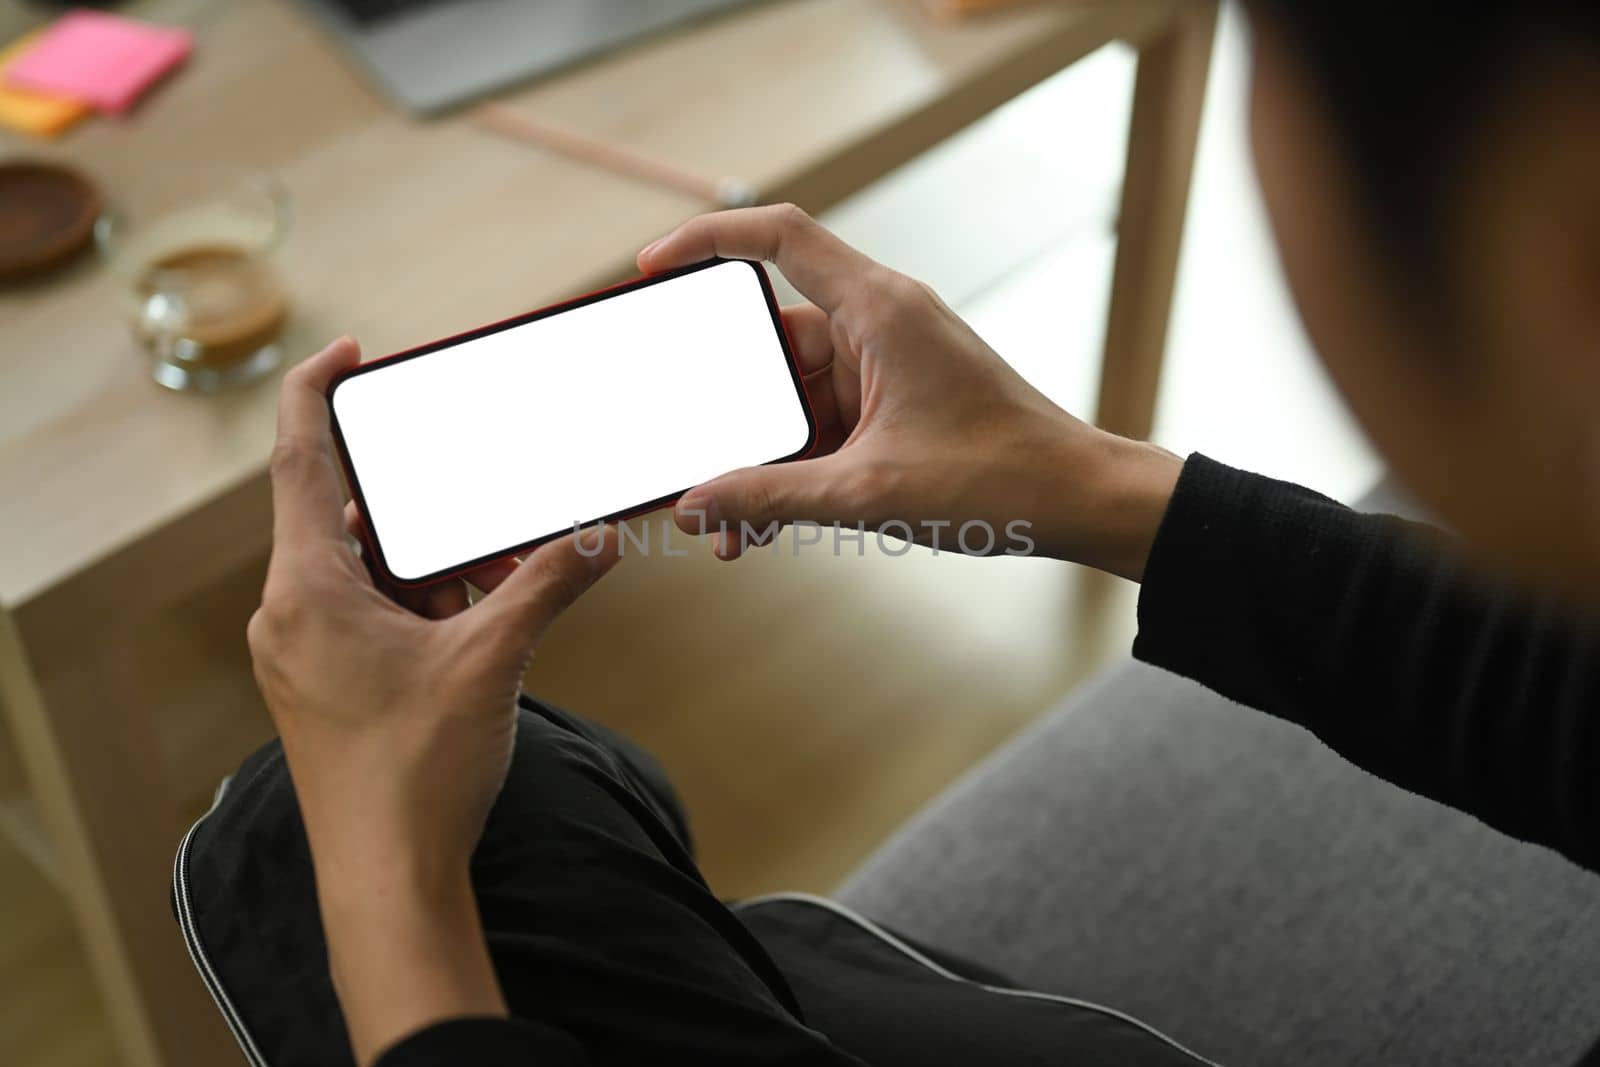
{"points": [[485, 445]]}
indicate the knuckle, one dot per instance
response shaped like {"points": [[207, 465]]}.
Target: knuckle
{"points": [[292, 456], [892, 302], [792, 216], [789, 220], [274, 622], [257, 633], [300, 375], [558, 590], [761, 502], [264, 635], [562, 581], [907, 293], [869, 481]]}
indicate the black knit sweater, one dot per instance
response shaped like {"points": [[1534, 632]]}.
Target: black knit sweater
{"points": [[1372, 633]]}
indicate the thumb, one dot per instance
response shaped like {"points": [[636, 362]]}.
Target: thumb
{"points": [[547, 582], [748, 506]]}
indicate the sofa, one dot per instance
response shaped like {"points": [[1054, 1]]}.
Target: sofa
{"points": [[1223, 876]]}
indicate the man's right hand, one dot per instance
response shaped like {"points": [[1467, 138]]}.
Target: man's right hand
{"points": [[920, 422]]}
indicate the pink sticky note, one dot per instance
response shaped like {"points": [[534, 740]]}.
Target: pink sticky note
{"points": [[105, 60]]}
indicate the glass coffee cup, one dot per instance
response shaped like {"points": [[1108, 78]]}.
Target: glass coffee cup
{"points": [[193, 260]]}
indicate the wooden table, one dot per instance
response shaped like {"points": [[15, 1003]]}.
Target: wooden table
{"points": [[118, 499]]}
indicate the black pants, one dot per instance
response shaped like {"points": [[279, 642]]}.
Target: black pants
{"points": [[600, 924]]}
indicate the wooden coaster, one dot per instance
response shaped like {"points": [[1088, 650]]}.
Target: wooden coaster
{"points": [[47, 216]]}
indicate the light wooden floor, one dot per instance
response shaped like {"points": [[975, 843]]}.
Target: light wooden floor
{"points": [[805, 707]]}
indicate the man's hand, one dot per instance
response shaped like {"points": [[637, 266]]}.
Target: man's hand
{"points": [[920, 422], [397, 718]]}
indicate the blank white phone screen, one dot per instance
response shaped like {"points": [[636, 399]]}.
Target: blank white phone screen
{"points": [[472, 450]]}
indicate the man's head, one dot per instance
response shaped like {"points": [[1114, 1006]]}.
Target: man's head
{"points": [[1433, 177]]}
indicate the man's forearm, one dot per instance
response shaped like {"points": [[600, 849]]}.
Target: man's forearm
{"points": [[1374, 634], [405, 953]]}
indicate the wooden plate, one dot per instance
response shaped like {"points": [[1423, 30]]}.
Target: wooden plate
{"points": [[47, 216]]}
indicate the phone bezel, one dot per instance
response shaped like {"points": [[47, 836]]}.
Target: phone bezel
{"points": [[374, 541]]}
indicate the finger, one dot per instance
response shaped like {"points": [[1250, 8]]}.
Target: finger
{"points": [[355, 527], [528, 600], [810, 335], [441, 600], [810, 331], [438, 601], [746, 507], [354, 524], [486, 577], [489, 576], [307, 495], [822, 267]]}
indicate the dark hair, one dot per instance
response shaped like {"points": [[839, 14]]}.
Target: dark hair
{"points": [[1407, 85]]}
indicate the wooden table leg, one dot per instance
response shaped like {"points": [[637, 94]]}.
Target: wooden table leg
{"points": [[1167, 98], [88, 746]]}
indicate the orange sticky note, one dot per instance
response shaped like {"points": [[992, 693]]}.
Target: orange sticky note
{"points": [[39, 114]]}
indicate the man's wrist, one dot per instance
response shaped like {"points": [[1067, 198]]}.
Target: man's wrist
{"points": [[406, 949], [357, 857], [1107, 497], [1134, 495]]}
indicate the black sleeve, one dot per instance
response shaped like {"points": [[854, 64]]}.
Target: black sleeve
{"points": [[1369, 631], [485, 1043]]}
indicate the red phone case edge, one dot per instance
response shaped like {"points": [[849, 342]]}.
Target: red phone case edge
{"points": [[369, 540]]}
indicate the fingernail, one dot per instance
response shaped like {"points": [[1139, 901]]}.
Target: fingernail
{"points": [[703, 507], [651, 247]]}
